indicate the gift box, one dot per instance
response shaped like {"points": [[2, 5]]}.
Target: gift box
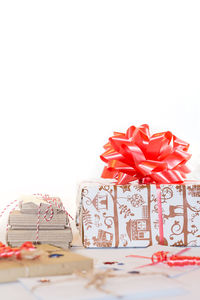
{"points": [[144, 199], [41, 219], [113, 215], [49, 262]]}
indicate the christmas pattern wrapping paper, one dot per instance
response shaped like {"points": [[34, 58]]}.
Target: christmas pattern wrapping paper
{"points": [[112, 215]]}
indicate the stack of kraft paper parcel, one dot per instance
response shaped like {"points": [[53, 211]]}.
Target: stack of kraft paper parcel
{"points": [[39, 221]]}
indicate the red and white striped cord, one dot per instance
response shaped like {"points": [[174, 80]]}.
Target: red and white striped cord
{"points": [[49, 209], [10, 213], [38, 224], [7, 207], [47, 198], [47, 212], [63, 208], [55, 201]]}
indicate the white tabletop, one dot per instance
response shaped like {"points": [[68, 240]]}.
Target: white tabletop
{"points": [[183, 286]]}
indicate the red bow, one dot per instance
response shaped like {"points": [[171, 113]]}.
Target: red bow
{"points": [[7, 252], [137, 155]]}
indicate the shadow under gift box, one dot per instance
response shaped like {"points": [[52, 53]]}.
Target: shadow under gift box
{"points": [[110, 215]]}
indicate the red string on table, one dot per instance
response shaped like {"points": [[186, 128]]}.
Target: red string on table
{"points": [[174, 260]]}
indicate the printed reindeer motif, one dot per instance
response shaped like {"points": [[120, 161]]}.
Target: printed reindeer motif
{"points": [[174, 211]]}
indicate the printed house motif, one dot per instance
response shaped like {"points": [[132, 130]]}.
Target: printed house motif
{"points": [[139, 229]]}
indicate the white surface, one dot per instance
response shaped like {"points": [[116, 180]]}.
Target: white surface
{"points": [[129, 289], [181, 283], [72, 72], [129, 263], [15, 291], [152, 283]]}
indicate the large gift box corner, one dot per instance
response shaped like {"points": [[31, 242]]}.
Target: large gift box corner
{"points": [[111, 215]]}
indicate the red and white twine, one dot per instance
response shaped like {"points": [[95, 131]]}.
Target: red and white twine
{"points": [[49, 208], [11, 212], [38, 224], [7, 207], [47, 198]]}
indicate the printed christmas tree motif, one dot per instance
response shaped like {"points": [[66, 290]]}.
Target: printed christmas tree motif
{"points": [[166, 194], [87, 242], [124, 210], [87, 219], [125, 188], [136, 200]]}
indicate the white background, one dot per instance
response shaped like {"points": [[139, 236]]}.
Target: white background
{"points": [[72, 72]]}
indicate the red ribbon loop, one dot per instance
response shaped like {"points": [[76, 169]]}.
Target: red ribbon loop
{"points": [[137, 155], [8, 252]]}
